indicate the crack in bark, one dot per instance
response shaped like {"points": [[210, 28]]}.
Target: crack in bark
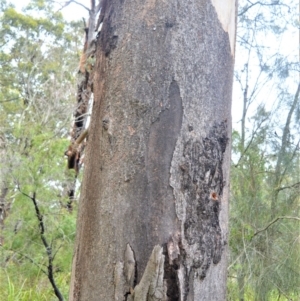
{"points": [[171, 266]]}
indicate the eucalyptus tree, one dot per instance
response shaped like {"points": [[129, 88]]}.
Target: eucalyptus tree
{"points": [[153, 214]]}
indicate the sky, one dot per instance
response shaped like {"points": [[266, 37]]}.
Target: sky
{"points": [[75, 11], [71, 12]]}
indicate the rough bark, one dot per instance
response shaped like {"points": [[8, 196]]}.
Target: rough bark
{"points": [[153, 216]]}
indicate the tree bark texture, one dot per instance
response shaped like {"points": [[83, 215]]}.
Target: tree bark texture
{"points": [[153, 216]]}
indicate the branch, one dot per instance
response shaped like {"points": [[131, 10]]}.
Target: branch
{"points": [[31, 260], [282, 292], [8, 100], [273, 222], [287, 187], [262, 4], [251, 140], [287, 164], [56, 252], [48, 247], [73, 1]]}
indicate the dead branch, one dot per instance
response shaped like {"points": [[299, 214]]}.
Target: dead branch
{"points": [[273, 222], [288, 187], [75, 2], [48, 248]]}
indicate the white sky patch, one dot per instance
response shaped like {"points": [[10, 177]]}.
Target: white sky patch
{"points": [[71, 12], [226, 14]]}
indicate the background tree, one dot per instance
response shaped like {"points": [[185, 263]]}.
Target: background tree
{"points": [[152, 223], [265, 175]]}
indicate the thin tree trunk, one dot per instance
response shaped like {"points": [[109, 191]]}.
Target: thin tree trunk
{"points": [[153, 216], [4, 207], [241, 280], [282, 160]]}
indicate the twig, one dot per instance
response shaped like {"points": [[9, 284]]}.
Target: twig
{"points": [[31, 260], [287, 187], [282, 292], [262, 4], [273, 222], [73, 1]]}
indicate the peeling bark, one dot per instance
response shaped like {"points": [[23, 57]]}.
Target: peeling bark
{"points": [[129, 268], [84, 98], [151, 286]]}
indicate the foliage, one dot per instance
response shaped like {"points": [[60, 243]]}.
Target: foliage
{"points": [[38, 60], [264, 236]]}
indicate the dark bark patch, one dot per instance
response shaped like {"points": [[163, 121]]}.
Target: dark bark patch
{"points": [[105, 123], [164, 132], [169, 24], [108, 39], [163, 136], [170, 276], [202, 184]]}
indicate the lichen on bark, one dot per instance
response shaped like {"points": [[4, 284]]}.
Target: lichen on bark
{"points": [[198, 188]]}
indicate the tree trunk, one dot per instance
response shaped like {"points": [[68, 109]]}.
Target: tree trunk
{"points": [[153, 216]]}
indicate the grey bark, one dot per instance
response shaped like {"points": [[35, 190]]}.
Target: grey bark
{"points": [[153, 216]]}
